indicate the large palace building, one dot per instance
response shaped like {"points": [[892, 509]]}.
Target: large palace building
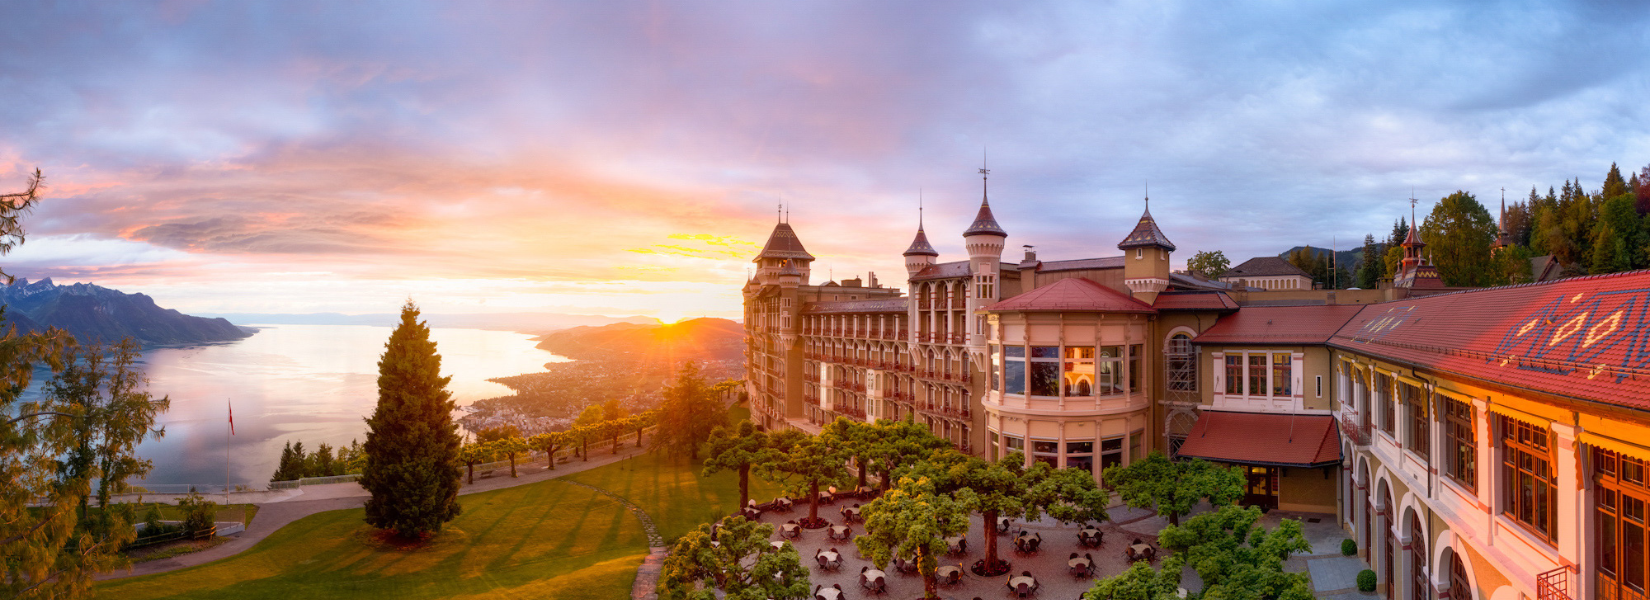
{"points": [[1477, 444]]}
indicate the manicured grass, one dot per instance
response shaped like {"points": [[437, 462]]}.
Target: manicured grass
{"points": [[671, 491], [542, 540], [549, 539]]}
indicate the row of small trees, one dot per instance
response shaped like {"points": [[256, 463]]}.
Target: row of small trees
{"points": [[507, 443], [930, 491]]}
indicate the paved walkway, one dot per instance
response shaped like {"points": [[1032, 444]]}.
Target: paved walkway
{"points": [[281, 510]]}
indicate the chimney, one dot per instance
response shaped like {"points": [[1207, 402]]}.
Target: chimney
{"points": [[873, 276], [1031, 254]]}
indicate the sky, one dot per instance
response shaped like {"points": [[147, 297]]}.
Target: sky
{"points": [[627, 158]]}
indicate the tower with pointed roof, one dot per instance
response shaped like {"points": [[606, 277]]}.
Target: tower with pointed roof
{"points": [[921, 254], [1415, 271], [1146, 258], [782, 246], [984, 241]]}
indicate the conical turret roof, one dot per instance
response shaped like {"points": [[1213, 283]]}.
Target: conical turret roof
{"points": [[789, 268], [1414, 238], [1146, 234], [984, 222], [920, 245], [783, 243]]}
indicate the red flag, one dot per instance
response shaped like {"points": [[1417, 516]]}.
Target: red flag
{"points": [[231, 418]]}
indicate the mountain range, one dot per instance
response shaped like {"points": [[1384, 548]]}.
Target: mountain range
{"points": [[93, 313]]}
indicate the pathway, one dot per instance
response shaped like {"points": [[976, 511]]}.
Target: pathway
{"points": [[276, 513], [647, 577]]}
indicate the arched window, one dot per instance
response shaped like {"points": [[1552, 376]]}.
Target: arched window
{"points": [[1418, 559], [1459, 588]]}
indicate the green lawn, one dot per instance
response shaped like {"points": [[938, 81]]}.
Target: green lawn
{"points": [[671, 491], [543, 540]]}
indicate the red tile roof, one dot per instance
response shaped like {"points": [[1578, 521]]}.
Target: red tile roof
{"points": [[1264, 439], [1072, 295], [1194, 301], [1279, 325], [943, 271], [1586, 338]]}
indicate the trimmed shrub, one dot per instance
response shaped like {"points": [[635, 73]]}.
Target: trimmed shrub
{"points": [[1366, 580], [199, 515], [1349, 547]]}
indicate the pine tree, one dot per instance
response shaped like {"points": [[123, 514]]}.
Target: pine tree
{"points": [[412, 442], [1369, 265]]}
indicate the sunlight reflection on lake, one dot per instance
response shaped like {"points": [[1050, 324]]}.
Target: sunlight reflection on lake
{"points": [[314, 383]]}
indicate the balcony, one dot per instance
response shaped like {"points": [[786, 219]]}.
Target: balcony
{"points": [[1553, 585], [1357, 434]]}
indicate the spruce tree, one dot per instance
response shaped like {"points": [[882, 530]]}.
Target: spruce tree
{"points": [[412, 442]]}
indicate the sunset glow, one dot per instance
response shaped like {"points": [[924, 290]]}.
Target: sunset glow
{"points": [[620, 158]]}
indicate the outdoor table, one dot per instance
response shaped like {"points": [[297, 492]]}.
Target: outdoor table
{"points": [[1140, 551], [1088, 533], [873, 575], [831, 556], [783, 503], [788, 530], [948, 574], [957, 543], [777, 545], [1026, 539], [828, 594], [1078, 562], [850, 513], [1022, 585], [839, 532], [1002, 524]]}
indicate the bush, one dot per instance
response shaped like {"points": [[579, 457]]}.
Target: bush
{"points": [[1366, 580], [199, 515], [1349, 547]]}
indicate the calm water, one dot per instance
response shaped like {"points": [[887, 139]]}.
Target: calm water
{"points": [[313, 383]]}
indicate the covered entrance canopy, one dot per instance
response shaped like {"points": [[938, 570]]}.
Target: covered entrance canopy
{"points": [[1264, 444], [1267, 440]]}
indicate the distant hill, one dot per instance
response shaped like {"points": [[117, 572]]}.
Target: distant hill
{"points": [[697, 339], [1348, 259], [95, 313], [523, 322]]}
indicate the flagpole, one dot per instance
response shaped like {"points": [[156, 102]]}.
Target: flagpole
{"points": [[230, 402]]}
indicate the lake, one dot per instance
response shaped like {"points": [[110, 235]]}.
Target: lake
{"points": [[310, 383]]}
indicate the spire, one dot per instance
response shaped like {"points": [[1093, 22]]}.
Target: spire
{"points": [[1146, 233], [1414, 237], [984, 222], [920, 245]]}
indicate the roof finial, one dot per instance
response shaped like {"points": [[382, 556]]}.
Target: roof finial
{"points": [[919, 209], [985, 176], [787, 214], [779, 211], [1148, 195]]}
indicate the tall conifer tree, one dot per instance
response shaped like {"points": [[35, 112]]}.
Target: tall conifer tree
{"points": [[412, 442]]}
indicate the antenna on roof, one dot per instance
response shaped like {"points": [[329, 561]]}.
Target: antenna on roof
{"points": [[1148, 194], [779, 211], [919, 209]]}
